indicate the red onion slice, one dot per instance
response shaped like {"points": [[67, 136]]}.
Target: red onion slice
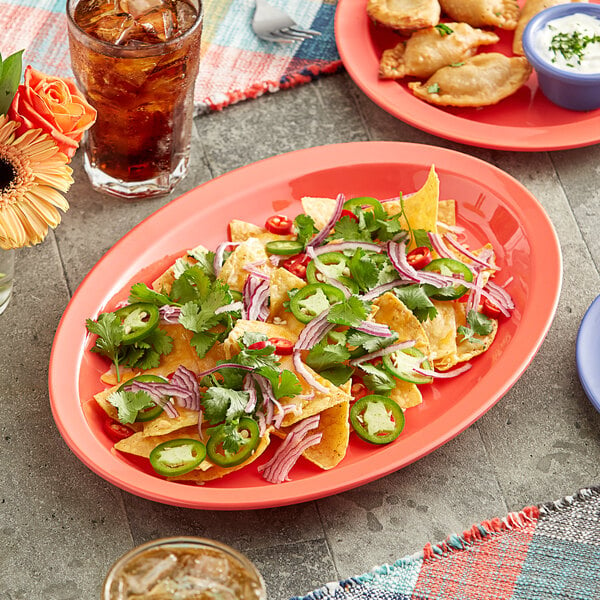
{"points": [[313, 332], [463, 250], [233, 307], [223, 366], [438, 245], [475, 293], [382, 352], [169, 314], [337, 211], [443, 375], [373, 328], [219, 253], [381, 289], [308, 376]]}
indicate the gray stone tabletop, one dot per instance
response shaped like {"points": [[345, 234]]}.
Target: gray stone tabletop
{"points": [[61, 525]]}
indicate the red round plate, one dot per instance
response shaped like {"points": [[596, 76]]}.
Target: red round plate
{"points": [[491, 205], [525, 121]]}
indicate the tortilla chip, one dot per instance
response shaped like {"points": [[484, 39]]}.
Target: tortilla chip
{"points": [[311, 401], [394, 313], [406, 395], [164, 282], [282, 281], [163, 424], [250, 251], [215, 472], [242, 326], [335, 427], [441, 330], [320, 209], [240, 231], [446, 215], [466, 350], [420, 208], [141, 445]]}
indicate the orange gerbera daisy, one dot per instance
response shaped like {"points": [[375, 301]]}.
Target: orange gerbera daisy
{"points": [[32, 174]]}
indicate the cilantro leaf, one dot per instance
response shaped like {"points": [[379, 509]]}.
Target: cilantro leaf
{"points": [[338, 375], [416, 299], [351, 312], [285, 384], [128, 404], [203, 341], [348, 229], [110, 334], [421, 238], [364, 269], [223, 404], [480, 323], [200, 316], [370, 343], [140, 292], [377, 379], [304, 226], [325, 355], [205, 259]]}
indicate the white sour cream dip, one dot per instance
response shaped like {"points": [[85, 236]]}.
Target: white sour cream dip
{"points": [[571, 43]]}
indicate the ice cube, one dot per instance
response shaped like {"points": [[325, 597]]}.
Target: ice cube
{"points": [[112, 28], [144, 578], [138, 8], [158, 24]]}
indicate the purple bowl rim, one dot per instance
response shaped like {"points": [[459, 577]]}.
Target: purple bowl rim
{"points": [[538, 21]]}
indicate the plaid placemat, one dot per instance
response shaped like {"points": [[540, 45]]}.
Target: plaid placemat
{"points": [[235, 64], [546, 552]]}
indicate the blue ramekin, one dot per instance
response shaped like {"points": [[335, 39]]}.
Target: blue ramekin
{"points": [[575, 91]]}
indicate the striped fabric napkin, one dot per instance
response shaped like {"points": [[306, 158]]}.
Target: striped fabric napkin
{"points": [[234, 65], [545, 552]]}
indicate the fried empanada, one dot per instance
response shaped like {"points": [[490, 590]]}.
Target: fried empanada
{"points": [[532, 8], [479, 81], [430, 49], [405, 15], [482, 13]]}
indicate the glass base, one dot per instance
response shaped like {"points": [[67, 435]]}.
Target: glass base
{"points": [[159, 186], [7, 271]]}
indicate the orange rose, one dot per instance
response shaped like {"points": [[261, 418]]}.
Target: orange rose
{"points": [[53, 105]]}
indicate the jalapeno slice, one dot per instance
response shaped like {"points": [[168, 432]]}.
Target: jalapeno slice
{"points": [[248, 429], [147, 414], [176, 457], [138, 320], [284, 247], [377, 419], [445, 265], [401, 364], [313, 299], [377, 207], [336, 259]]}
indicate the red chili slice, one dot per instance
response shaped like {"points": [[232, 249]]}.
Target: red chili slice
{"points": [[117, 431], [279, 224], [419, 257], [257, 345], [350, 214], [489, 309], [297, 265], [282, 346], [358, 389]]}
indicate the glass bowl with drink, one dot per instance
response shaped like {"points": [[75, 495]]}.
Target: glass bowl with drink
{"points": [[136, 61], [183, 568]]}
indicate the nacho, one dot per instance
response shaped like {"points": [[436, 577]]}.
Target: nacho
{"points": [[252, 251], [406, 394], [441, 330]]}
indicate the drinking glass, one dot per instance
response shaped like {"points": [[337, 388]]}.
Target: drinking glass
{"points": [[136, 61], [184, 568]]}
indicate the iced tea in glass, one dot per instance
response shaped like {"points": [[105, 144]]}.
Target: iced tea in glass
{"points": [[137, 61], [184, 568]]}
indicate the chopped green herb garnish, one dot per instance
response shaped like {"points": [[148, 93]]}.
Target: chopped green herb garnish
{"points": [[443, 29]]}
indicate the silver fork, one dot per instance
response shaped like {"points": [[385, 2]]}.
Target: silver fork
{"points": [[273, 25]]}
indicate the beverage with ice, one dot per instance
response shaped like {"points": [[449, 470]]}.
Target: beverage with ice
{"points": [[183, 569], [137, 62]]}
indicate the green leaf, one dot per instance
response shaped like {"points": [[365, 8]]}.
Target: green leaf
{"points": [[285, 384], [370, 343], [377, 379], [364, 269], [480, 323], [443, 29], [222, 404], [350, 312], [305, 228], [421, 238], [325, 355], [338, 375], [434, 89], [10, 77], [203, 342], [110, 334], [205, 259], [348, 229], [140, 292], [128, 404], [415, 298]]}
